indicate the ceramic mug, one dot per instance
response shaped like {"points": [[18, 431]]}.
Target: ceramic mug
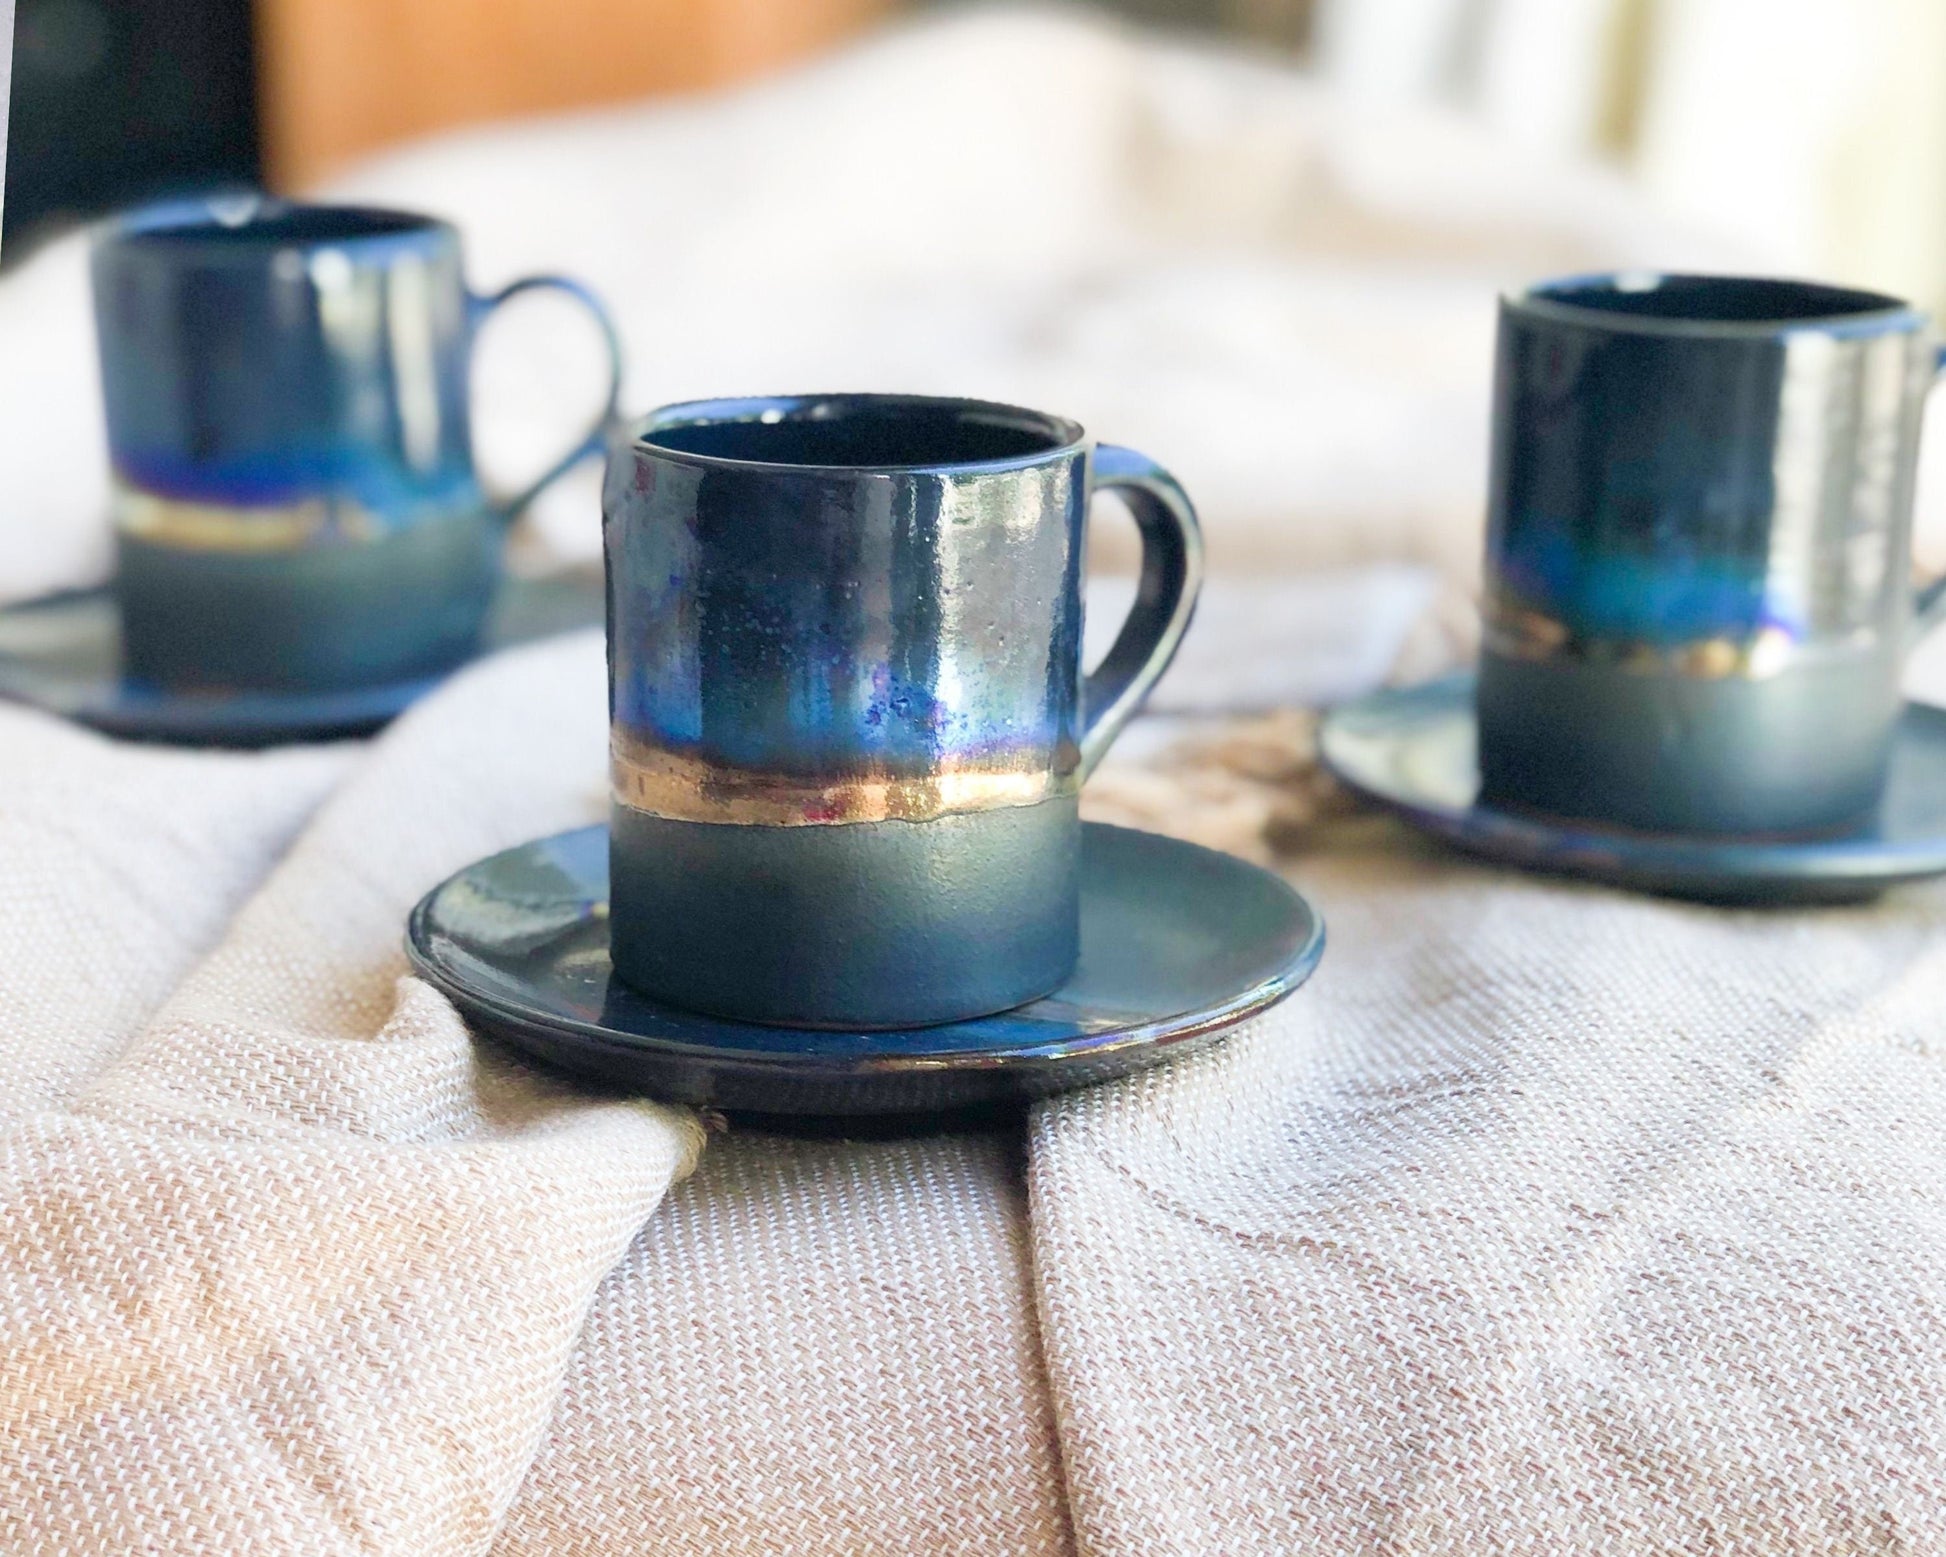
{"points": [[849, 721], [296, 505], [1698, 593]]}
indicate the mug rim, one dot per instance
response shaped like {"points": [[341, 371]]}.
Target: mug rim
{"points": [[177, 227], [1554, 300], [1066, 437]]}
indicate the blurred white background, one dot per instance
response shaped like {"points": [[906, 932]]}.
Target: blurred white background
{"points": [[1815, 129], [1259, 238]]}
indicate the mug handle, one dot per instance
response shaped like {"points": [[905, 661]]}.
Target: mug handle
{"points": [[1929, 602], [595, 439], [1929, 607], [1165, 597]]}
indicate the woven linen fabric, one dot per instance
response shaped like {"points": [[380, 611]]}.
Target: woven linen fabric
{"points": [[119, 866], [814, 1346], [1546, 1220], [295, 1271]]}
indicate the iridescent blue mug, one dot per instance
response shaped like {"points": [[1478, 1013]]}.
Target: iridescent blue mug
{"points": [[848, 715], [295, 500], [1698, 595]]}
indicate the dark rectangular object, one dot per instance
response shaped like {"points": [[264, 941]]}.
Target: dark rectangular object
{"points": [[117, 100]]}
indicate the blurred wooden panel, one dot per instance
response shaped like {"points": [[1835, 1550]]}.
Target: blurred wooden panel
{"points": [[341, 77]]}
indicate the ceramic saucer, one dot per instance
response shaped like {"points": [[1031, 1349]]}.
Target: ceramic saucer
{"points": [[1412, 751], [1178, 943], [63, 653]]}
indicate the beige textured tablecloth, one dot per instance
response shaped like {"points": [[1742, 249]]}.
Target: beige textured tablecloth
{"points": [[1545, 1220]]}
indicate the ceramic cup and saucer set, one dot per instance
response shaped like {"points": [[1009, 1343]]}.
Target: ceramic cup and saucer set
{"points": [[1697, 602], [845, 871], [303, 544]]}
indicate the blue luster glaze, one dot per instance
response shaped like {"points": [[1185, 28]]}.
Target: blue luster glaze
{"points": [[286, 390], [827, 623], [1697, 595], [1666, 599], [284, 352], [1642, 427], [377, 484], [849, 719]]}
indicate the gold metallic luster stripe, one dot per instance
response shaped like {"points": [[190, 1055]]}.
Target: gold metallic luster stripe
{"points": [[220, 527], [1515, 632], [684, 789]]}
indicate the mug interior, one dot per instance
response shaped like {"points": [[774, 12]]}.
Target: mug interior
{"points": [[864, 432], [1715, 299], [268, 224]]}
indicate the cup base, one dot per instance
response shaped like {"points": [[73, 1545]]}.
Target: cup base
{"points": [[318, 619], [860, 925], [1798, 755]]}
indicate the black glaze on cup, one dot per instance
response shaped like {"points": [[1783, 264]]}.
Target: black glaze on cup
{"points": [[295, 498], [848, 716], [1697, 592]]}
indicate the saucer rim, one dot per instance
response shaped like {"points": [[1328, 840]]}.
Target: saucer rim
{"points": [[1154, 1035], [1731, 865]]}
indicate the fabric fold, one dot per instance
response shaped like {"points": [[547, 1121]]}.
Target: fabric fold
{"points": [[122, 866], [814, 1346], [299, 1271]]}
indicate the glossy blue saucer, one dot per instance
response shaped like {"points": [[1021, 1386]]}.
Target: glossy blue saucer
{"points": [[63, 653], [1412, 751], [1178, 943]]}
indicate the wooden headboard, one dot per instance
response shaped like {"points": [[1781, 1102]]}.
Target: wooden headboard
{"points": [[342, 77]]}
